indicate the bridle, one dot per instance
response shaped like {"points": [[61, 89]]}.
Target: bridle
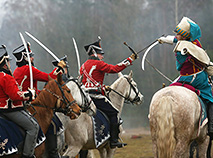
{"points": [[127, 99], [60, 99], [85, 100]]}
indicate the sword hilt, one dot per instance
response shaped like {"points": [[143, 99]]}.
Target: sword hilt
{"points": [[132, 50]]}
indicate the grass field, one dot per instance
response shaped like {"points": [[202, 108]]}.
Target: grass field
{"points": [[139, 145]]}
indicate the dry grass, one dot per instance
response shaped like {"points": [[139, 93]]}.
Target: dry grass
{"points": [[139, 145]]}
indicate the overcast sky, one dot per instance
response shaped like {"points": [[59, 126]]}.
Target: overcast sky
{"points": [[2, 11]]}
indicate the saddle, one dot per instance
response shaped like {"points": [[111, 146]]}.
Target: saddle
{"points": [[186, 85]]}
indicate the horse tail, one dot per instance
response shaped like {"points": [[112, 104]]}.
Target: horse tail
{"points": [[166, 141]]}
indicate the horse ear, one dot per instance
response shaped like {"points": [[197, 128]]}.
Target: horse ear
{"points": [[120, 74], [130, 74]]}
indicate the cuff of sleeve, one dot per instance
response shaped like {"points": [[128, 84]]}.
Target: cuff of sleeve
{"points": [[130, 60]]}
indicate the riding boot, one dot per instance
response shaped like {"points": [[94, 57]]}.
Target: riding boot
{"points": [[114, 136], [210, 120], [51, 146]]}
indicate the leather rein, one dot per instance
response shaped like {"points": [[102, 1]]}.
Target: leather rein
{"points": [[127, 99], [62, 99], [85, 100]]}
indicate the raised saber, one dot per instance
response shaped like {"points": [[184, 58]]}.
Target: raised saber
{"points": [[28, 57], [43, 46], [132, 50], [146, 52], [77, 55]]}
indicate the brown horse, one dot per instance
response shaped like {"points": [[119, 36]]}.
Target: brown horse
{"points": [[54, 97], [174, 123]]}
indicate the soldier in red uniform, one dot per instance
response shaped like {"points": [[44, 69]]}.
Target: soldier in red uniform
{"points": [[93, 71], [22, 76], [11, 104]]}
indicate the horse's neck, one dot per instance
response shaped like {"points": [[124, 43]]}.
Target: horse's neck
{"points": [[42, 114], [75, 91], [121, 87]]}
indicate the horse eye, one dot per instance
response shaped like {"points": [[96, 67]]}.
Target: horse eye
{"points": [[68, 91]]}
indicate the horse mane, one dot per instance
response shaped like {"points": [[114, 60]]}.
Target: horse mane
{"points": [[59, 79], [50, 83]]}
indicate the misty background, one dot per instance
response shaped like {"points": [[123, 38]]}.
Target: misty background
{"points": [[137, 22]]}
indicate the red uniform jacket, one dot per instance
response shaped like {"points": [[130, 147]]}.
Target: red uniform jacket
{"points": [[10, 95], [94, 69], [22, 76]]}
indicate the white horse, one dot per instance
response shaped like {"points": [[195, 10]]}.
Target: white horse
{"points": [[81, 97], [174, 123], [83, 100], [79, 133]]}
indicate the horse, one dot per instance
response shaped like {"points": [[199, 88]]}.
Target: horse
{"points": [[79, 133], [174, 117], [54, 97], [84, 101], [81, 97]]}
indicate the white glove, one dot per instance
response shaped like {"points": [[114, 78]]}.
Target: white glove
{"points": [[33, 93], [168, 39]]}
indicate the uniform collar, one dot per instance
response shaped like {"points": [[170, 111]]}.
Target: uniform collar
{"points": [[93, 58], [5, 71]]}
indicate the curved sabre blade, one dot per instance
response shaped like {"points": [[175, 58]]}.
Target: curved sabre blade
{"points": [[43, 46], [146, 52], [28, 57], [77, 54]]}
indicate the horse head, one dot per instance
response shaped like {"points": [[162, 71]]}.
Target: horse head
{"points": [[56, 95], [131, 93], [82, 98]]}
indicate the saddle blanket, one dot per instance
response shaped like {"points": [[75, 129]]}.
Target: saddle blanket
{"points": [[186, 86], [101, 128], [56, 126], [12, 136], [203, 113]]}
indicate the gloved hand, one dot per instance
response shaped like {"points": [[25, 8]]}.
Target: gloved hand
{"points": [[32, 94], [168, 39], [62, 64], [133, 56], [107, 88]]}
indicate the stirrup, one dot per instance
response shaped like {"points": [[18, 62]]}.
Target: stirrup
{"points": [[117, 144]]}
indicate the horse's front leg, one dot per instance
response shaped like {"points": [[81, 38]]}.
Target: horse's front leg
{"points": [[72, 151], [110, 152], [103, 152]]}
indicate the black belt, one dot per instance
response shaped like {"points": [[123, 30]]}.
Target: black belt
{"points": [[94, 92]]}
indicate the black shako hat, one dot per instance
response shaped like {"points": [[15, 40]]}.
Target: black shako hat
{"points": [[21, 54], [3, 55], [94, 47]]}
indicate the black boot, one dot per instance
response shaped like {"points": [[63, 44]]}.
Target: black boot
{"points": [[51, 146], [114, 136], [210, 120]]}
